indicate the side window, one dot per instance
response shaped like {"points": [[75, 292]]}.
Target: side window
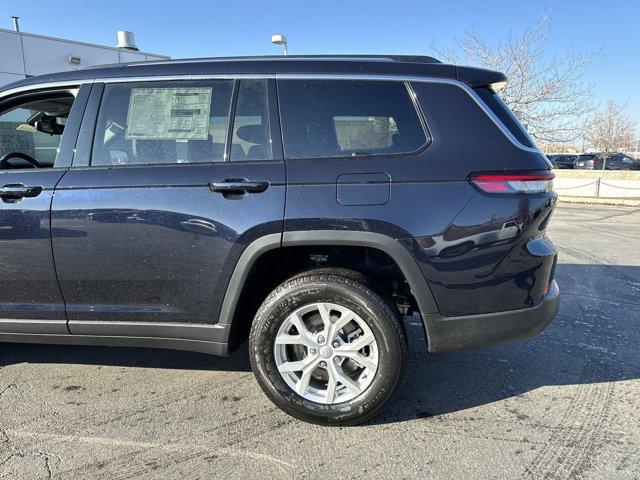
{"points": [[30, 133], [337, 118], [162, 123], [251, 131], [495, 103]]}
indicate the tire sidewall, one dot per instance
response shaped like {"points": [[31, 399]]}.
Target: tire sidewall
{"points": [[362, 301]]}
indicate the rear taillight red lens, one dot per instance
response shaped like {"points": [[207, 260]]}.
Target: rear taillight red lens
{"points": [[529, 182]]}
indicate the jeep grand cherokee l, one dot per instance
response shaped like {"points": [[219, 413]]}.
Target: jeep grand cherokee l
{"points": [[305, 203]]}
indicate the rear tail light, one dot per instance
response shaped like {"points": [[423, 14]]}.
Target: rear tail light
{"points": [[530, 182]]}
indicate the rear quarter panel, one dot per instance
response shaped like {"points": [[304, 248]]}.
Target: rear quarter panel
{"points": [[428, 191]]}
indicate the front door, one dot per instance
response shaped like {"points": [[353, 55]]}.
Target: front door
{"points": [[37, 134], [175, 180]]}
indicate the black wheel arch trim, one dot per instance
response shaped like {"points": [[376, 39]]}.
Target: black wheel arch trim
{"points": [[403, 258]]}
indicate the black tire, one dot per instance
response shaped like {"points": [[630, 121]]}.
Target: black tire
{"points": [[359, 294]]}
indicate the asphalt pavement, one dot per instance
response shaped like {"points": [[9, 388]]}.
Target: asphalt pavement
{"points": [[565, 404]]}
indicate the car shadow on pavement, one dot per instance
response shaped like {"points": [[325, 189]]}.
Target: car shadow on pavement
{"points": [[12, 353], [595, 338]]}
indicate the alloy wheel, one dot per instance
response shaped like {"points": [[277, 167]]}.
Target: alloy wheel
{"points": [[326, 353]]}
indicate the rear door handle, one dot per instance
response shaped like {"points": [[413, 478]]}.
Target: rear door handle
{"points": [[238, 186], [17, 191]]}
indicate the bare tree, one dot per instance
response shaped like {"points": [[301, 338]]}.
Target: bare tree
{"points": [[611, 130], [547, 94]]}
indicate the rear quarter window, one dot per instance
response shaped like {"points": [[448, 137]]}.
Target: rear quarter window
{"points": [[339, 118], [495, 103]]}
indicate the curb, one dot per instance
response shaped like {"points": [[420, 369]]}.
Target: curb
{"points": [[618, 202]]}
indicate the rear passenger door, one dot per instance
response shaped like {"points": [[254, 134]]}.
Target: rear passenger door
{"points": [[170, 182]]}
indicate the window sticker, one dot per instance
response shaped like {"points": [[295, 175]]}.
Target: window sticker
{"points": [[169, 113]]}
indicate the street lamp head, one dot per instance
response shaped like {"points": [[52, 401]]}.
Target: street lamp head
{"points": [[278, 39]]}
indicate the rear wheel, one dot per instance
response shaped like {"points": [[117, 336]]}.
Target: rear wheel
{"points": [[326, 348]]}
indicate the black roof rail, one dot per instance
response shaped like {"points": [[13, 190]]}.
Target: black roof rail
{"points": [[365, 57], [382, 58]]}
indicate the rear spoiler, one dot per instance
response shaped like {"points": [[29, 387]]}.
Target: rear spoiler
{"points": [[479, 77]]}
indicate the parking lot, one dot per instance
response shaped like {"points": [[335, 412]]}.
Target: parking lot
{"points": [[563, 405]]}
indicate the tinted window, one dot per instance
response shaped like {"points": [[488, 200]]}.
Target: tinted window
{"points": [[335, 118], [506, 116], [162, 122], [251, 132]]}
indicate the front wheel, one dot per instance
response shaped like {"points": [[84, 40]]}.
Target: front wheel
{"points": [[327, 348]]}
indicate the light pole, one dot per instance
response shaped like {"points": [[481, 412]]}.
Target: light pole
{"points": [[280, 40]]}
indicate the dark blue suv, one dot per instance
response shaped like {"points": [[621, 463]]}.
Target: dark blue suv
{"points": [[307, 203]]}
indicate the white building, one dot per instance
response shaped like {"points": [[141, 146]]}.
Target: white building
{"points": [[26, 54]]}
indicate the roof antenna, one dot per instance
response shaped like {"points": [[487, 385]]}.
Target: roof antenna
{"points": [[16, 23]]}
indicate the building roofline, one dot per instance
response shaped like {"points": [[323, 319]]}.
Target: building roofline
{"points": [[86, 44]]}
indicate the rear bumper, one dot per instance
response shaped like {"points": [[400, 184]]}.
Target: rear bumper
{"points": [[471, 331]]}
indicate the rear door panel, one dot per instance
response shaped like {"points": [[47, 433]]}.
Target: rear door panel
{"points": [[156, 244]]}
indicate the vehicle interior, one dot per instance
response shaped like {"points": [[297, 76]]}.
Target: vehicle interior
{"points": [[31, 130], [251, 135]]}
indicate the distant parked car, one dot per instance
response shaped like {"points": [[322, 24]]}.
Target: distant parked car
{"points": [[564, 160], [615, 161]]}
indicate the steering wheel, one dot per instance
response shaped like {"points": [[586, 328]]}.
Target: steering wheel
{"points": [[4, 161]]}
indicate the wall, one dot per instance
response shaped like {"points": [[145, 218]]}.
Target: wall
{"points": [[12, 140], [25, 54]]}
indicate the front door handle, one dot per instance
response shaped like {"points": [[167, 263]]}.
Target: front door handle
{"points": [[238, 186], [17, 191]]}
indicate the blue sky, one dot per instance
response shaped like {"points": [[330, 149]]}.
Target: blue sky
{"points": [[190, 28]]}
